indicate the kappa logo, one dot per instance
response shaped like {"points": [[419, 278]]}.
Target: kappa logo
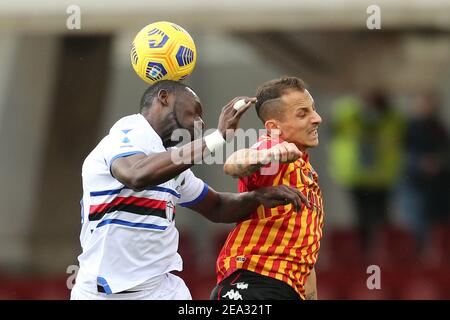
{"points": [[241, 285], [232, 295]]}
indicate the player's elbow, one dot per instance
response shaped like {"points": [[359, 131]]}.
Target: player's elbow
{"points": [[136, 181], [136, 184], [132, 183], [227, 169], [130, 177], [230, 169]]}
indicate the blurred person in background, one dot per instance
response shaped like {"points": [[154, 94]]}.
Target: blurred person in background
{"points": [[426, 186], [366, 156]]}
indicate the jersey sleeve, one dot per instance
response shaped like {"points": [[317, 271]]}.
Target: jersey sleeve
{"points": [[126, 142], [192, 189]]}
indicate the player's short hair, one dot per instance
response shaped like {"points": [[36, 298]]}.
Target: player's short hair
{"points": [[152, 91], [272, 90]]}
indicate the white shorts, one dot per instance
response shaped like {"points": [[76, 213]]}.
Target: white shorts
{"points": [[171, 288]]}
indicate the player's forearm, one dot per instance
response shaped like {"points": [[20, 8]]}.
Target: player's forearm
{"points": [[161, 167], [243, 163], [234, 207]]}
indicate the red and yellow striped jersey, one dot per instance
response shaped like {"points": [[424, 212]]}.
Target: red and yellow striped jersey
{"points": [[277, 242]]}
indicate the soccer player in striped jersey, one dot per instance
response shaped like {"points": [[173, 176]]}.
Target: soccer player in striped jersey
{"points": [[271, 254], [131, 187]]}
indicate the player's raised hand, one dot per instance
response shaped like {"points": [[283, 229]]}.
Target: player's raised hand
{"points": [[283, 152], [232, 112], [275, 196]]}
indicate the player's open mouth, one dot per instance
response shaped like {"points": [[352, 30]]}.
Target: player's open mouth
{"points": [[314, 133]]}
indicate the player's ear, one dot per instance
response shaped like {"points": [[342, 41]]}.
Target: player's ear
{"points": [[163, 97], [272, 127]]}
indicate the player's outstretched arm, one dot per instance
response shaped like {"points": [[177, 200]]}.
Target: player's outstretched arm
{"points": [[246, 161], [140, 171], [226, 207]]}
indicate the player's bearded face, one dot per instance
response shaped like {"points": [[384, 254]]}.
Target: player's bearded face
{"points": [[301, 121], [185, 112]]}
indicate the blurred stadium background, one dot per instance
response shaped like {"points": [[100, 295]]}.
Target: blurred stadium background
{"points": [[61, 89]]}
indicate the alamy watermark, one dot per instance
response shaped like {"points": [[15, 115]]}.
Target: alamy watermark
{"points": [[373, 21], [72, 271], [73, 21], [374, 280]]}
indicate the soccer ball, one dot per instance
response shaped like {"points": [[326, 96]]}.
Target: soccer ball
{"points": [[163, 51]]}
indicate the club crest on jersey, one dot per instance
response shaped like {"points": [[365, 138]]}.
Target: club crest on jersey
{"points": [[308, 175], [170, 211]]}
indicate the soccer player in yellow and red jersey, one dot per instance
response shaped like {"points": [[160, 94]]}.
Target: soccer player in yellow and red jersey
{"points": [[271, 254]]}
